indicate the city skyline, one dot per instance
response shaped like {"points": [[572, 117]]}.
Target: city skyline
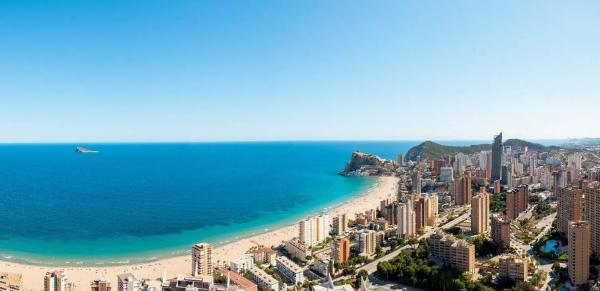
{"points": [[198, 71]]}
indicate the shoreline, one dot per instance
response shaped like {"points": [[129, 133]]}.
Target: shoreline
{"points": [[82, 275]]}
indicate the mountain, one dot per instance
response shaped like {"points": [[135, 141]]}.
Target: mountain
{"points": [[432, 150], [362, 164]]}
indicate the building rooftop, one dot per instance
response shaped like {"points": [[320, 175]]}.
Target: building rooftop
{"points": [[236, 278], [289, 264]]}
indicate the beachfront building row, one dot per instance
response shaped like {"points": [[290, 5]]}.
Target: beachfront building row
{"points": [[57, 281], [128, 282], [264, 281], [11, 281], [314, 230], [100, 285], [340, 224], [290, 271], [457, 253]]}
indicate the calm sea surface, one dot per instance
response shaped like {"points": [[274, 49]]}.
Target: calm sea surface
{"points": [[138, 202]]}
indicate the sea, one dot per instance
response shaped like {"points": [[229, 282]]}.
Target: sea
{"points": [[138, 202]]}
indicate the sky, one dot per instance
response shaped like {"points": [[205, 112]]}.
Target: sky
{"points": [[126, 71]]}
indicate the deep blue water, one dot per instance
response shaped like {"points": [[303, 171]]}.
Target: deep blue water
{"points": [[137, 202]]}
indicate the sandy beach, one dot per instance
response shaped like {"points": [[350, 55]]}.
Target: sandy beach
{"points": [[82, 276]]}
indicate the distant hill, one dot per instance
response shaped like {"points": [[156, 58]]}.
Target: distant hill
{"points": [[432, 150]]}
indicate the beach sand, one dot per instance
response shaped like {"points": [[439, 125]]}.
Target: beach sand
{"points": [[33, 276]]}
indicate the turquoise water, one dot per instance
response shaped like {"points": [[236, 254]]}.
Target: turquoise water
{"points": [[551, 246], [138, 202]]}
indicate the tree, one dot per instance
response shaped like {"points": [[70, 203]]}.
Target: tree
{"points": [[361, 275]]}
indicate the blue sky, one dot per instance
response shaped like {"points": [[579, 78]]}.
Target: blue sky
{"points": [[290, 70]]}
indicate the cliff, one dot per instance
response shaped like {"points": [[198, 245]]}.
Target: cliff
{"points": [[362, 164]]}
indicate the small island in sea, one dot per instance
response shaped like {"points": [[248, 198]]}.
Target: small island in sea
{"points": [[82, 150]]}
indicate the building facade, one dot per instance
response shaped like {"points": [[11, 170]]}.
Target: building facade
{"points": [[569, 207], [480, 210], [579, 252], [202, 260]]}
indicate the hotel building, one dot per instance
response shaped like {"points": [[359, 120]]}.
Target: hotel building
{"points": [[569, 207], [592, 214], [513, 267], [579, 252], [457, 253], [480, 210], [501, 231], [264, 281], [202, 260], [11, 281], [289, 270]]}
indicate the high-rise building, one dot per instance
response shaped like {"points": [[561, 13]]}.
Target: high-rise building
{"points": [[128, 282], [57, 281], [202, 260], [592, 214], [569, 207], [416, 182], [100, 285], [340, 224], [517, 201], [457, 253], [497, 158], [446, 174], [340, 250], [367, 242], [314, 230], [406, 220], [11, 281], [579, 252], [480, 209], [400, 159], [500, 231], [513, 267], [463, 190]]}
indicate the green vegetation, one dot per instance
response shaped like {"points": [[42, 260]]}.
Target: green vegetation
{"points": [[498, 203], [542, 210], [483, 246], [431, 150]]}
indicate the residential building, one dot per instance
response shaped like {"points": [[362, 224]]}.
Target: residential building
{"points": [[265, 256], [446, 174], [57, 281], [513, 267], [517, 201], [289, 270], [569, 207], [100, 285], [500, 231], [297, 249], [128, 282], [367, 242], [416, 182], [340, 224], [243, 263], [190, 283], [264, 281], [457, 253], [11, 281], [592, 214], [406, 220], [202, 260], [314, 230], [579, 252], [340, 249], [480, 209], [463, 190]]}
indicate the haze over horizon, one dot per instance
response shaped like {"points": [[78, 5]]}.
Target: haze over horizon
{"points": [[193, 71]]}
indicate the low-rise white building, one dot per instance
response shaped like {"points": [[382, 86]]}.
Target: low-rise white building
{"points": [[292, 272]]}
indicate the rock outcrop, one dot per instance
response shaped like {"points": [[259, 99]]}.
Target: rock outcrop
{"points": [[362, 164]]}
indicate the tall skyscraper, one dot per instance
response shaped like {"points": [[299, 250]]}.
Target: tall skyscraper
{"points": [[202, 260], [569, 207], [340, 224], [314, 230], [480, 209], [497, 158], [416, 182], [367, 242], [406, 220], [579, 252], [592, 214]]}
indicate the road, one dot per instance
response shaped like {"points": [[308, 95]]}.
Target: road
{"points": [[372, 266]]}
